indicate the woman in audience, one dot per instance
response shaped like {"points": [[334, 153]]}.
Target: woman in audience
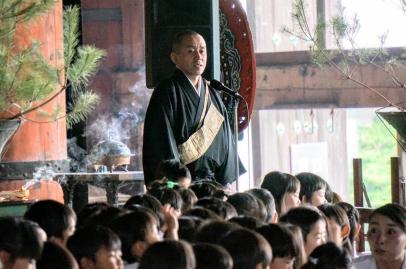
{"points": [[285, 248], [169, 254], [285, 189], [329, 256], [312, 189], [211, 256], [338, 225], [312, 225], [386, 238]]}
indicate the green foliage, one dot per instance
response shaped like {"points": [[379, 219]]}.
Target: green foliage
{"points": [[81, 107], [376, 146], [25, 75], [80, 64]]}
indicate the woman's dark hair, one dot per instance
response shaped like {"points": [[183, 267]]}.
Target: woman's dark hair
{"points": [[267, 199], [247, 248], [328, 256], [20, 238], [53, 217], [54, 255], [133, 227], [310, 183], [212, 231], [353, 218], [168, 254], [279, 184], [282, 241], [394, 212], [304, 217], [86, 241], [222, 208], [211, 256]]}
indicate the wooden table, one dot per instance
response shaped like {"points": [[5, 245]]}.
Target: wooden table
{"points": [[75, 185]]}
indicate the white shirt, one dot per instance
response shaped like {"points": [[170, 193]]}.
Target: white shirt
{"points": [[366, 261]]}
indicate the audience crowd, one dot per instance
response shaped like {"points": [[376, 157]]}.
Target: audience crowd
{"points": [[290, 222]]}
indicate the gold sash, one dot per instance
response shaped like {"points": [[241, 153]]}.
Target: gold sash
{"points": [[198, 143]]}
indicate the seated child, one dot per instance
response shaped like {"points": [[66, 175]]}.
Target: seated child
{"points": [[56, 219], [20, 243], [338, 225], [312, 189], [54, 255], [248, 249], [329, 256], [285, 247], [174, 171], [268, 200], [285, 189], [211, 256], [312, 225], [169, 254], [96, 247]]}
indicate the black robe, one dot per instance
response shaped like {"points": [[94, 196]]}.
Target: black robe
{"points": [[172, 117]]}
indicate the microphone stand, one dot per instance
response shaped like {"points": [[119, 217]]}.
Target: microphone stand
{"points": [[234, 105]]}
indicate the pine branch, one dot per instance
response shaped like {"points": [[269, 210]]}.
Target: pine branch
{"points": [[88, 58], [82, 106], [70, 33]]}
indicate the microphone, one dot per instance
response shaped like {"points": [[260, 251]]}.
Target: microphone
{"points": [[215, 84]]}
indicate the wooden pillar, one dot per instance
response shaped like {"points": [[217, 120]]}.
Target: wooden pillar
{"points": [[358, 193], [395, 180]]}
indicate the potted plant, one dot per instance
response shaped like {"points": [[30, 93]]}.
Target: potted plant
{"points": [[28, 81]]}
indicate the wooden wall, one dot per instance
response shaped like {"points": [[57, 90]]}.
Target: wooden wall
{"points": [[117, 27]]}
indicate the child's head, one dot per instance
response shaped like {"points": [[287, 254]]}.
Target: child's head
{"points": [[285, 247], [169, 254], [20, 243], [248, 249], [311, 223], [222, 208], [353, 218], [187, 227], [211, 256], [248, 222], [137, 231], [205, 188], [269, 202], [96, 247], [174, 171], [285, 189], [56, 219], [337, 224], [212, 231], [189, 199], [169, 196], [54, 255], [247, 204], [145, 200], [329, 256], [312, 189]]}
